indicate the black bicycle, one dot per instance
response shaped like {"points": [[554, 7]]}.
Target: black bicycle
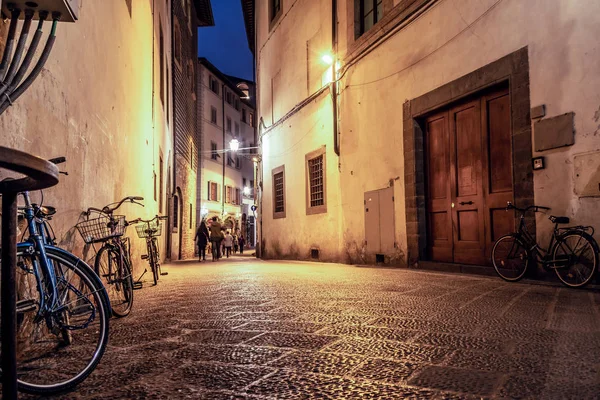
{"points": [[150, 230], [572, 252], [113, 260]]}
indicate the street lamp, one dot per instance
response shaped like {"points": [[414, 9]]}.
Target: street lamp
{"points": [[234, 144], [327, 58]]}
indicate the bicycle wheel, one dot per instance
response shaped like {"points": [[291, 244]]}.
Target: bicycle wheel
{"points": [[50, 360], [153, 261], [113, 269], [510, 258], [579, 256]]}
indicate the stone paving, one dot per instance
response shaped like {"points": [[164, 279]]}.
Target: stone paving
{"points": [[249, 329]]}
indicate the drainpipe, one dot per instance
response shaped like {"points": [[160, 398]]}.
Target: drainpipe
{"points": [[224, 152], [336, 144]]}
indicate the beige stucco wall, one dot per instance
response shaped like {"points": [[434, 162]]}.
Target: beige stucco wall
{"points": [[450, 40], [97, 102]]}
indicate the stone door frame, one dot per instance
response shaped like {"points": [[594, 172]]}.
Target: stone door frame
{"points": [[512, 69]]}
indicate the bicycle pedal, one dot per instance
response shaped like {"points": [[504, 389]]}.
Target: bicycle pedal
{"points": [[27, 305], [137, 285], [164, 273], [144, 256]]}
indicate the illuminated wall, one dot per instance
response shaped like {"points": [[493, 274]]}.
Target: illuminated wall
{"points": [[98, 102]]}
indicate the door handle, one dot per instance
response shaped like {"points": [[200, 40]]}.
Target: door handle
{"points": [[465, 203]]}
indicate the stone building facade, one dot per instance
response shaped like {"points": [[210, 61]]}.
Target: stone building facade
{"points": [[429, 116], [226, 112], [104, 101]]}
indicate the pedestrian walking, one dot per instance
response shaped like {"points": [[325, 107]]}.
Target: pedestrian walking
{"points": [[228, 243], [241, 242], [235, 244], [216, 237], [201, 239]]}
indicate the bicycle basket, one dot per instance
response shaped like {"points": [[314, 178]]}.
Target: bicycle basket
{"points": [[99, 229], [149, 229]]}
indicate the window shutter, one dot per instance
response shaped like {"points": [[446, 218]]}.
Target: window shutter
{"points": [[218, 192]]}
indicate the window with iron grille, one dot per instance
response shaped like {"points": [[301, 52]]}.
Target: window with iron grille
{"points": [[278, 175], [275, 8], [367, 14], [316, 182]]}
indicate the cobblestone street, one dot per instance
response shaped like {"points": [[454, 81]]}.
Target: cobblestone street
{"points": [[249, 329]]}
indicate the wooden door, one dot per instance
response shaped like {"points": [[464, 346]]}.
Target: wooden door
{"points": [[469, 178]]}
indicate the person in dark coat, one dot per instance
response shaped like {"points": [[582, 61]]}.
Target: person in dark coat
{"points": [[241, 242], [202, 240]]}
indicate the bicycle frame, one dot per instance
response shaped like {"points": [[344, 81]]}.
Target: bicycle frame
{"points": [[37, 242]]}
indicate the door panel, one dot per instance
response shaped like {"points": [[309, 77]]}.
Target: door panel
{"points": [[498, 182], [469, 178], [372, 230], [439, 198], [386, 220], [467, 193]]}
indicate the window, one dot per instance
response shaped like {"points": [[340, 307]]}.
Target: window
{"points": [[244, 119], [227, 194], [238, 199], [315, 182], [251, 119], [228, 97], [367, 14], [275, 9], [229, 160], [243, 182], [228, 124], [213, 84], [191, 76], [238, 163], [160, 185], [161, 55], [213, 151], [154, 175], [213, 191], [236, 104], [278, 175], [177, 42], [175, 211], [237, 129], [213, 115]]}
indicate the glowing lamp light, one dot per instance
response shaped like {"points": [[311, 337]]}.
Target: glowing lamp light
{"points": [[246, 191], [234, 145], [327, 59], [204, 211]]}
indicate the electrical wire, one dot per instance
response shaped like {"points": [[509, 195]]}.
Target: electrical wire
{"points": [[428, 54]]}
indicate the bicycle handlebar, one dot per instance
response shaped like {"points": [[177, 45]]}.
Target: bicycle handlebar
{"points": [[109, 210], [510, 206], [159, 217]]}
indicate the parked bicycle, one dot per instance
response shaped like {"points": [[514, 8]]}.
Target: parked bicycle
{"points": [[62, 309], [150, 230], [113, 260], [572, 252]]}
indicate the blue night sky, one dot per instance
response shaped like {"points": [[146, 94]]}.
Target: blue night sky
{"points": [[225, 45]]}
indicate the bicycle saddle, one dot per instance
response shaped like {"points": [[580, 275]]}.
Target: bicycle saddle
{"points": [[559, 220]]}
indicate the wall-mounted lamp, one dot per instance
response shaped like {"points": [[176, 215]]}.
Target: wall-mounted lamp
{"points": [[246, 191], [234, 144], [327, 59]]}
